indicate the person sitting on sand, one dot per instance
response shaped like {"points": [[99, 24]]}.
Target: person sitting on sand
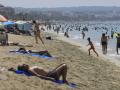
{"points": [[91, 47], [55, 74], [36, 30]]}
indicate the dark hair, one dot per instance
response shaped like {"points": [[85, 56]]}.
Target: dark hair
{"points": [[20, 67], [103, 34], [88, 38], [118, 34], [23, 67], [34, 21]]}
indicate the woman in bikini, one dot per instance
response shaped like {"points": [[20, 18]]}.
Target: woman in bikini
{"points": [[55, 74]]}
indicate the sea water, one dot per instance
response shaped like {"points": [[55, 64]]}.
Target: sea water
{"points": [[95, 35]]}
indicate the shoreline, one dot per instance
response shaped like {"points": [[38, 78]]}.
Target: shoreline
{"points": [[87, 72], [85, 49]]}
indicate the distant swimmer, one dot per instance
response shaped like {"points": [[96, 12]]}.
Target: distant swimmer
{"points": [[112, 33], [91, 47], [58, 29], [104, 43], [83, 34], [118, 43]]}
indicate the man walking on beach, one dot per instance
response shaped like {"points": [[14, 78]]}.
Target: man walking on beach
{"points": [[104, 41], [36, 31], [118, 43], [91, 47]]}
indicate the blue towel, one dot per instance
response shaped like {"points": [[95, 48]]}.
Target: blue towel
{"points": [[40, 56], [71, 85], [22, 72], [33, 54]]}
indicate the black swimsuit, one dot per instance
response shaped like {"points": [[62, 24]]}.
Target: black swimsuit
{"points": [[104, 43], [53, 74]]}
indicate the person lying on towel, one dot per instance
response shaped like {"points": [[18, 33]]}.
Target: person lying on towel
{"points": [[55, 74], [45, 53]]}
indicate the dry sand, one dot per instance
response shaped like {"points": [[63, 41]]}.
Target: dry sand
{"points": [[87, 72]]}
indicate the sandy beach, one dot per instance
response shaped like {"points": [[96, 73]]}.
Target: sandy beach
{"points": [[87, 72]]}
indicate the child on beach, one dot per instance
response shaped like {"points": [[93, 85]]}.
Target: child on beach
{"points": [[91, 47]]}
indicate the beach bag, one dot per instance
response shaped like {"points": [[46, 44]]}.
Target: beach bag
{"points": [[48, 38]]}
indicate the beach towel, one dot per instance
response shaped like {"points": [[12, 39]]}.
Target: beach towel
{"points": [[22, 72], [71, 85], [41, 54]]}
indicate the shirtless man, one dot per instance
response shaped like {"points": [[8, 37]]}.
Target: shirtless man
{"points": [[104, 41], [118, 43], [91, 47], [55, 74]]}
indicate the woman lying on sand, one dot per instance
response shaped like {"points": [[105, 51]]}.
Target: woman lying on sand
{"points": [[55, 74]]}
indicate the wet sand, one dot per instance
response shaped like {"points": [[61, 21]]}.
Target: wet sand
{"points": [[87, 72]]}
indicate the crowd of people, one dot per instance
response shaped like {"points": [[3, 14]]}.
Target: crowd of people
{"points": [[61, 70], [105, 37]]}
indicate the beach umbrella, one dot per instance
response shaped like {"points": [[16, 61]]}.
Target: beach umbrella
{"points": [[8, 23], [2, 18]]}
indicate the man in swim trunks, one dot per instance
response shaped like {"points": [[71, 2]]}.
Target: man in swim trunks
{"points": [[118, 43], [55, 74], [104, 41]]}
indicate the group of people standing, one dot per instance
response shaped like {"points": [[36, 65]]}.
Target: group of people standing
{"points": [[104, 39], [104, 43]]}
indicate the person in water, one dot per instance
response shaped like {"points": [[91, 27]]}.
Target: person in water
{"points": [[83, 34], [118, 43], [91, 46], [104, 41], [55, 74]]}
